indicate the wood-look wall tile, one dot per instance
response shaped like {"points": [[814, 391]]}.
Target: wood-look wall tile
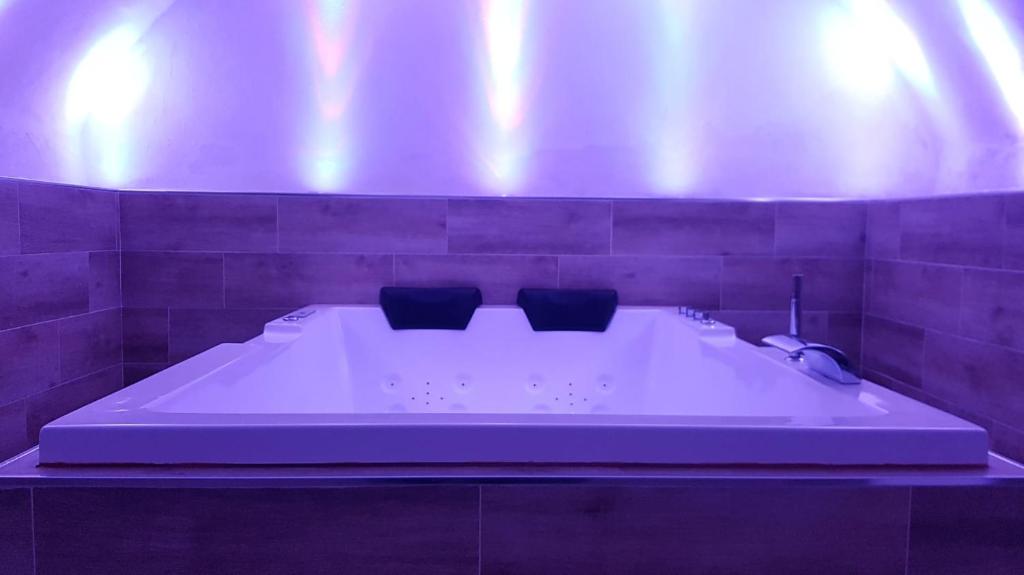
{"points": [[519, 226], [380, 530], [647, 280], [204, 222], [962, 230], [967, 531], [279, 281], [168, 279], [592, 529], [42, 287], [363, 225], [16, 556], [688, 228], [820, 229], [499, 277], [193, 331], [59, 218]]}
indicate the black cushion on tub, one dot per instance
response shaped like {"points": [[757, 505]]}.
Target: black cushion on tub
{"points": [[429, 308], [568, 309]]}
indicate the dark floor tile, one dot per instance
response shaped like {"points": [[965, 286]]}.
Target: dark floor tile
{"points": [[29, 361], [89, 343], [165, 279], [104, 280], [363, 225], [67, 397], [194, 331], [967, 531], [962, 230], [914, 293], [60, 218], [690, 228], [820, 229], [519, 226], [647, 280], [16, 532], [277, 281], [267, 531], [767, 283], [499, 277], [42, 287], [169, 221], [589, 529]]}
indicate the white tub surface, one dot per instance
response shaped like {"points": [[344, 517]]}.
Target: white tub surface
{"points": [[340, 386]]}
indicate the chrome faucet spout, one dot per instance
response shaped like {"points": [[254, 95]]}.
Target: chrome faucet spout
{"points": [[818, 357], [796, 308]]}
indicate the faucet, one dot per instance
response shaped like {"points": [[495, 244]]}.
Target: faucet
{"points": [[826, 360]]}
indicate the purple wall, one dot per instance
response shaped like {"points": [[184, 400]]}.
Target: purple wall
{"points": [[203, 268], [945, 307], [577, 98], [941, 282], [60, 299]]}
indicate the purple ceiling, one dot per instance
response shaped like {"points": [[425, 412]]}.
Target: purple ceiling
{"points": [[731, 98]]}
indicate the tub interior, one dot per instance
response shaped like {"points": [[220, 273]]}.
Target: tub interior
{"points": [[649, 362]]}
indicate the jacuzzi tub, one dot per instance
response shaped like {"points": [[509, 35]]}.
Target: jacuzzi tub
{"points": [[339, 386]]}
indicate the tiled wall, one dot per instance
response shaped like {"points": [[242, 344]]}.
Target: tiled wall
{"points": [[942, 285], [60, 299], [712, 528], [199, 269], [944, 304]]}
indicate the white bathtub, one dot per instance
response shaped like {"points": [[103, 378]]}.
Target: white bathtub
{"points": [[340, 386]]}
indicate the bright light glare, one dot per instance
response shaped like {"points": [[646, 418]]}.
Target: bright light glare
{"points": [[104, 91], [326, 162], [504, 23], [999, 50], [672, 170], [866, 41], [110, 81], [503, 27]]}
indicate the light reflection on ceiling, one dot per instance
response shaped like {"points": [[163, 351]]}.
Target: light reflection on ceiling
{"points": [[732, 98]]}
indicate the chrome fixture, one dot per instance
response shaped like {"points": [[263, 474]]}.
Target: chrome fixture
{"points": [[826, 360], [301, 314]]}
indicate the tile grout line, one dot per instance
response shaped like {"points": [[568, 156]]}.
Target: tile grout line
{"points": [[479, 529], [277, 224], [910, 513], [32, 526], [17, 216]]}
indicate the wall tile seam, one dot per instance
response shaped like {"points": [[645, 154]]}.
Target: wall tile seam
{"points": [[57, 319], [940, 402], [910, 519], [17, 216], [32, 527], [948, 265], [931, 330], [63, 383], [41, 255], [947, 404]]}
